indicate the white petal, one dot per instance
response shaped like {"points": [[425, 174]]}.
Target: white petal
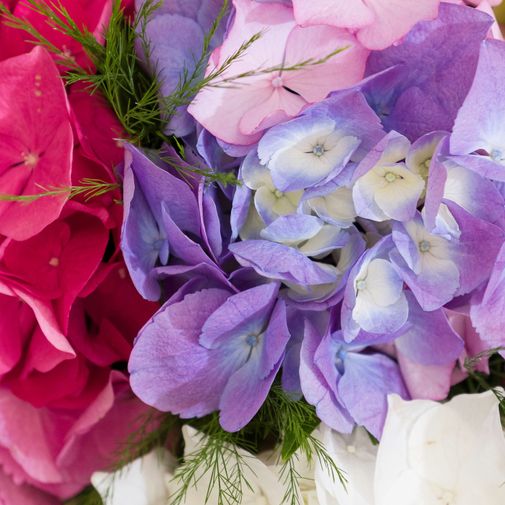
{"points": [[337, 207], [437, 452], [328, 239], [398, 199], [355, 455], [253, 225], [254, 174], [293, 229], [141, 482], [383, 283], [396, 150], [375, 319], [363, 194], [287, 203], [265, 201]]}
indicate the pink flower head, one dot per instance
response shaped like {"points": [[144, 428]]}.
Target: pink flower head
{"points": [[75, 411], [36, 141], [239, 112], [377, 23]]}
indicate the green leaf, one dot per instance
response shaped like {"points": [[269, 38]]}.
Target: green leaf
{"points": [[89, 496]]}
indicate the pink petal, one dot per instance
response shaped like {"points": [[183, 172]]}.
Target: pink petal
{"points": [[212, 104], [27, 439], [34, 113], [96, 126], [280, 106], [15, 316], [343, 13], [12, 493], [426, 382], [394, 19], [315, 42]]}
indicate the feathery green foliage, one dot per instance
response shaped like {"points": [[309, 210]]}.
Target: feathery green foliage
{"points": [[281, 423], [219, 460], [59, 19], [88, 188], [301, 65], [132, 93]]}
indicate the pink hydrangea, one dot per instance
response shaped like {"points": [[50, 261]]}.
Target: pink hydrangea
{"points": [[68, 310], [238, 111], [377, 23]]}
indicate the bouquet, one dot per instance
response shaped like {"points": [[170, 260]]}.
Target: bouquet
{"points": [[252, 252]]}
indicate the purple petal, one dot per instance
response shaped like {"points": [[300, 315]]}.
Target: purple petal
{"points": [[238, 314], [240, 209], [433, 277], [315, 388], [159, 186], [248, 387], [277, 261], [479, 124], [211, 229], [292, 228], [169, 369], [364, 386], [478, 248], [436, 184], [438, 68], [181, 245], [243, 396], [276, 338], [488, 314], [429, 339]]}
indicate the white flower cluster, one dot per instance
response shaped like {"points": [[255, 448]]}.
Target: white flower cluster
{"points": [[430, 454]]}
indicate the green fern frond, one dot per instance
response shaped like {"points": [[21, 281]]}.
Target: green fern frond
{"points": [[88, 188]]}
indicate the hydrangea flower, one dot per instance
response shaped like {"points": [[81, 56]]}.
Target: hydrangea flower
{"points": [[384, 186], [448, 453], [374, 299], [436, 267], [315, 147], [428, 75], [162, 216], [260, 101], [36, 141], [214, 349], [347, 385]]}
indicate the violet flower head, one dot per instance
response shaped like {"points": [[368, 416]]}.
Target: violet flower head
{"points": [[215, 349], [385, 188]]}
